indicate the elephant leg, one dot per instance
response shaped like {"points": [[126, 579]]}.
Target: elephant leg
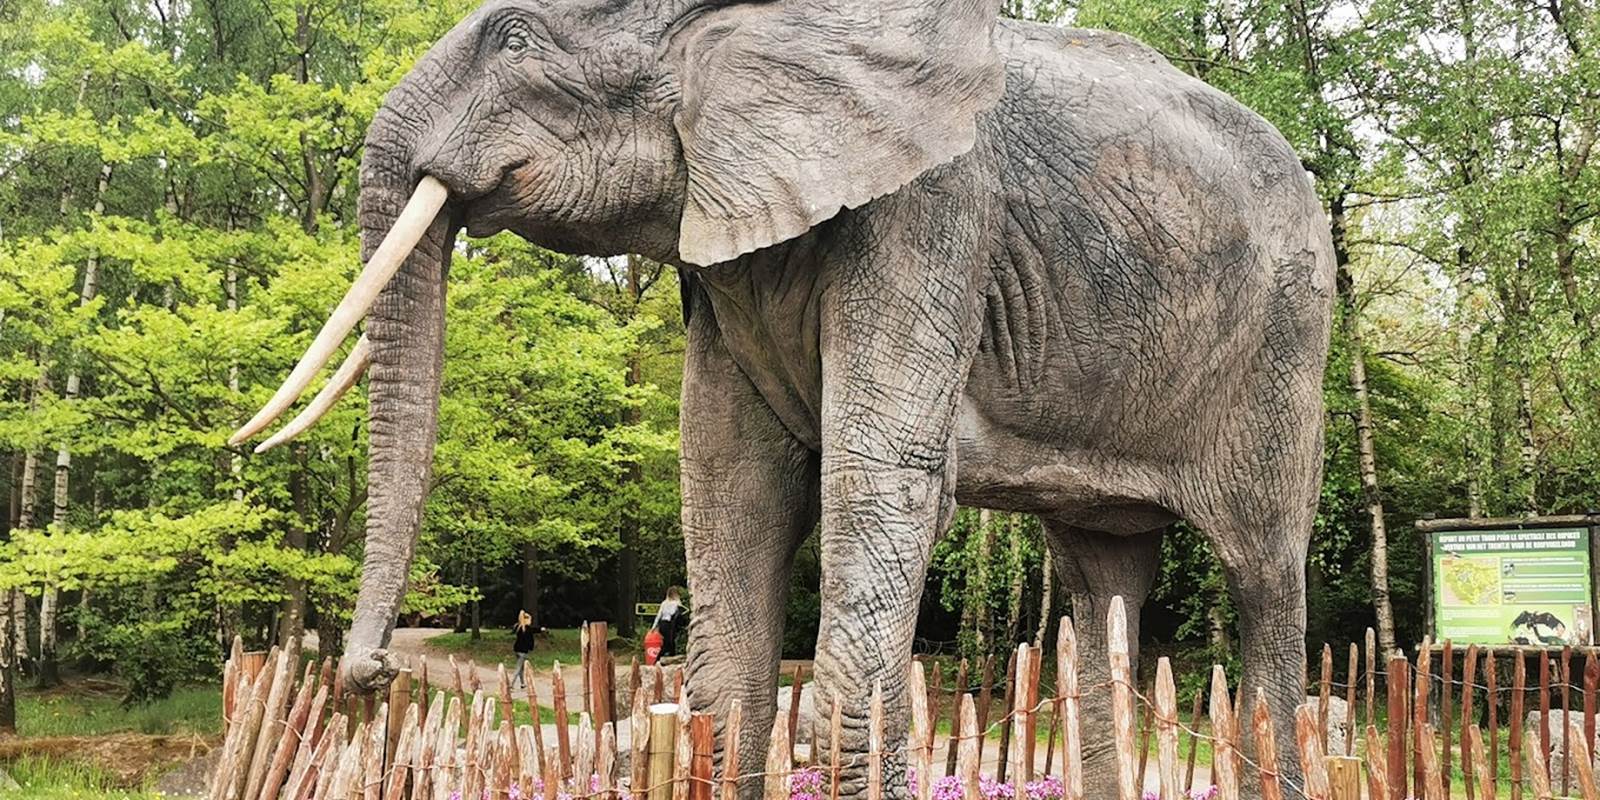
{"points": [[899, 324], [749, 499], [1095, 567], [1269, 591]]}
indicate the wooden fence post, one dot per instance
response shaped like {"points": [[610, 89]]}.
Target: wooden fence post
{"points": [[1324, 693], [1224, 757], [1538, 769], [1122, 699], [1311, 755], [683, 754], [1491, 691], [1433, 787], [795, 684], [780, 763], [968, 767], [1422, 687], [1167, 729], [558, 702], [1481, 762], [1344, 778], [1446, 721], [1397, 683], [730, 750], [1519, 682], [1377, 765], [1067, 690], [953, 742], [1469, 677], [1266, 750], [835, 732], [663, 747], [1350, 703], [1194, 736], [921, 755], [701, 744], [874, 748], [1018, 754], [638, 745], [1580, 756]]}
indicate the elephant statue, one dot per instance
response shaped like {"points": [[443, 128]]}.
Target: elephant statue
{"points": [[929, 257]]}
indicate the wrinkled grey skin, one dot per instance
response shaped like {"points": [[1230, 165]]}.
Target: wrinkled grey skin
{"points": [[929, 258]]}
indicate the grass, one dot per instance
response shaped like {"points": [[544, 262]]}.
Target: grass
{"points": [[44, 778], [82, 711]]}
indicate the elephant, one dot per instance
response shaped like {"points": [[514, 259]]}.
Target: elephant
{"points": [[929, 256]]}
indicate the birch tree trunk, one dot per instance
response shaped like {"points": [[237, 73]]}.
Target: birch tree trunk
{"points": [[1046, 595], [1350, 322], [1014, 607], [978, 589]]}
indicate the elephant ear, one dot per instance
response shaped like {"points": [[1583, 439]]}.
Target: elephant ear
{"points": [[794, 110]]}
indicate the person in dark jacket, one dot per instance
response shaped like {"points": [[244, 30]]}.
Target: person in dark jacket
{"points": [[524, 643], [669, 620]]}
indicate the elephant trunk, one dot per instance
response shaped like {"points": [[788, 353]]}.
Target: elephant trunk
{"points": [[405, 328]]}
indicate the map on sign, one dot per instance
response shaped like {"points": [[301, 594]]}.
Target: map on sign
{"points": [[1528, 587]]}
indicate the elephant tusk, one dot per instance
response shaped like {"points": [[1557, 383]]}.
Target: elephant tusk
{"points": [[354, 366], [408, 229]]}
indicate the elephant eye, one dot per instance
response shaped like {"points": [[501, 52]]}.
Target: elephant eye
{"points": [[516, 42]]}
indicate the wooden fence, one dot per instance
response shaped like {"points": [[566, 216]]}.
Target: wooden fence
{"points": [[308, 738]]}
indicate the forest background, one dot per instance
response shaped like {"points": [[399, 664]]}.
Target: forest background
{"points": [[177, 206]]}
